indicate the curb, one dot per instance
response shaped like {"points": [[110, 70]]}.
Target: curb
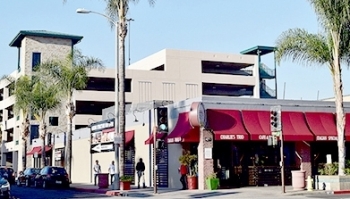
{"points": [[89, 190], [339, 192]]}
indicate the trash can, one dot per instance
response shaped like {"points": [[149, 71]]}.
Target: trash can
{"points": [[298, 180], [103, 180]]}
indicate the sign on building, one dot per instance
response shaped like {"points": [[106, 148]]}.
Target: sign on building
{"points": [[102, 136]]}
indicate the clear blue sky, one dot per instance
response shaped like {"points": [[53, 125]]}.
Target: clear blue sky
{"points": [[228, 26]]}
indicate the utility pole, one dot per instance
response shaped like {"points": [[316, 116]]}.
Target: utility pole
{"points": [[129, 20], [276, 131], [155, 168]]}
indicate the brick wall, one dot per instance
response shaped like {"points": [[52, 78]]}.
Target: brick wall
{"points": [[305, 152], [205, 166]]}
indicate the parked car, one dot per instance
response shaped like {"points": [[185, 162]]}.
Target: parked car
{"points": [[27, 177], [4, 185], [50, 176]]}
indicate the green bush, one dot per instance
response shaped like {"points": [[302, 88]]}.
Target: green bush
{"points": [[332, 169], [126, 178]]}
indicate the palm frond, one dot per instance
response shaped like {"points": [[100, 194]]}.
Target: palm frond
{"points": [[302, 47]]}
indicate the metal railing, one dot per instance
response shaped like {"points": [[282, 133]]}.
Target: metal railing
{"points": [[267, 89], [268, 70]]}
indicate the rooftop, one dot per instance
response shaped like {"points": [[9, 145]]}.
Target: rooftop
{"points": [[262, 49], [16, 42]]}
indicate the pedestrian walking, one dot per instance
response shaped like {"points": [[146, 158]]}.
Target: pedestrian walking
{"points": [[97, 170], [140, 169], [111, 171], [183, 170]]}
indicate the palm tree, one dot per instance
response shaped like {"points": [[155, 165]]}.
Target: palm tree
{"points": [[329, 48], [45, 97], [23, 99], [69, 75], [117, 10]]}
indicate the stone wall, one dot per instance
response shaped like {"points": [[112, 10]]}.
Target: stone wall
{"points": [[205, 166], [305, 152]]}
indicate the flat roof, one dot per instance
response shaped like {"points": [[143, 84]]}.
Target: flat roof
{"points": [[263, 50], [16, 42]]}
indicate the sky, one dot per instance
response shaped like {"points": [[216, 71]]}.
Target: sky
{"points": [[228, 26]]}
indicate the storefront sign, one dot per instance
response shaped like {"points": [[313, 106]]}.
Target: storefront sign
{"points": [[58, 155], [326, 138], [101, 126], [208, 153], [263, 137], [172, 140], [231, 137]]}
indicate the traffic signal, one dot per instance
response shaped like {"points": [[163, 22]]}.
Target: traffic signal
{"points": [[160, 144], [162, 119], [275, 118]]}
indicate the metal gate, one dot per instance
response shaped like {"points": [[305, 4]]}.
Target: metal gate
{"points": [[129, 168], [162, 162]]}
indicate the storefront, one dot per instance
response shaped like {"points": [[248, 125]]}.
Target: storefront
{"points": [[59, 157], [238, 134], [36, 152]]}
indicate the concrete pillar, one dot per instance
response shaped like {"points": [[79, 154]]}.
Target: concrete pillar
{"points": [[3, 159], [205, 166], [304, 150]]}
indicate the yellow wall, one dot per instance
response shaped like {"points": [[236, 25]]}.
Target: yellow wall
{"points": [[81, 161]]}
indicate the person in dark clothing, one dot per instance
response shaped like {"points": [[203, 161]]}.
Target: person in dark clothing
{"points": [[140, 168]]}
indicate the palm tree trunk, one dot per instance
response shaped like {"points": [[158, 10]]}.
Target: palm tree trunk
{"points": [[121, 76], [43, 137], [25, 135], [340, 116], [24, 156], [68, 149]]}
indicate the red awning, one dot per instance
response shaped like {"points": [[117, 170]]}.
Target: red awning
{"points": [[35, 149], [347, 127], [227, 125], [294, 127], [129, 135], [322, 125], [107, 130], [159, 136], [257, 124], [183, 131], [47, 148]]}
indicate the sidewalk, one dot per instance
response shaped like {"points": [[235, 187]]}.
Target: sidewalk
{"points": [[245, 192]]}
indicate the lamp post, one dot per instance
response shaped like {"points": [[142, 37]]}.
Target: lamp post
{"points": [[116, 91]]}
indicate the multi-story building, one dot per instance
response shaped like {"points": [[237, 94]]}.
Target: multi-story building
{"points": [[172, 75]]}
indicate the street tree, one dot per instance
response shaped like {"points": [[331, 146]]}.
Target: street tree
{"points": [[330, 47], [70, 75]]}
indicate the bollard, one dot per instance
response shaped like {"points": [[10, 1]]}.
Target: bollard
{"points": [[309, 181]]}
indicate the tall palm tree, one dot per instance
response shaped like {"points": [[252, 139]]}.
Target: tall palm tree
{"points": [[23, 99], [45, 97], [117, 10], [329, 48], [69, 75]]}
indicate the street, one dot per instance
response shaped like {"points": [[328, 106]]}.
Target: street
{"points": [[34, 193]]}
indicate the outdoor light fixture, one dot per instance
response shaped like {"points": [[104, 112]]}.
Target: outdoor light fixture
{"points": [[208, 139], [83, 11]]}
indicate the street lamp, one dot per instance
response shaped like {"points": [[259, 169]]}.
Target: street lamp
{"points": [[116, 92]]}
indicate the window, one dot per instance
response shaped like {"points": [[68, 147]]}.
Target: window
{"points": [[53, 121], [34, 132], [36, 59], [227, 89]]}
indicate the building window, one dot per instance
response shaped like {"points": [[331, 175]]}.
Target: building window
{"points": [[53, 121], [36, 59], [34, 132], [227, 89]]}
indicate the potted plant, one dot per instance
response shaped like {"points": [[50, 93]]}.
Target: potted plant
{"points": [[125, 182], [212, 182], [190, 160], [328, 178]]}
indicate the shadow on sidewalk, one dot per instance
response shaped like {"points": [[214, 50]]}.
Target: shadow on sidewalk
{"points": [[211, 194]]}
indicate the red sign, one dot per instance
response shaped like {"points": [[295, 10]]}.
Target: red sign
{"points": [[326, 138], [230, 137]]}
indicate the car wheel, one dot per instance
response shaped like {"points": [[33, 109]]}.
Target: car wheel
{"points": [[27, 183]]}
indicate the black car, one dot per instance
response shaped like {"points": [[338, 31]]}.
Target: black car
{"points": [[50, 176], [27, 177], [5, 186], [10, 174]]}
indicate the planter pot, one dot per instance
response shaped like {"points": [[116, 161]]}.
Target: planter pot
{"points": [[212, 184], [298, 180], [192, 182], [125, 185], [332, 183]]}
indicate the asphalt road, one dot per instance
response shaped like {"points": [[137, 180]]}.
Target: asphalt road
{"points": [[37, 193]]}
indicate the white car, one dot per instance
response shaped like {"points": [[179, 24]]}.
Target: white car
{"points": [[5, 187]]}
